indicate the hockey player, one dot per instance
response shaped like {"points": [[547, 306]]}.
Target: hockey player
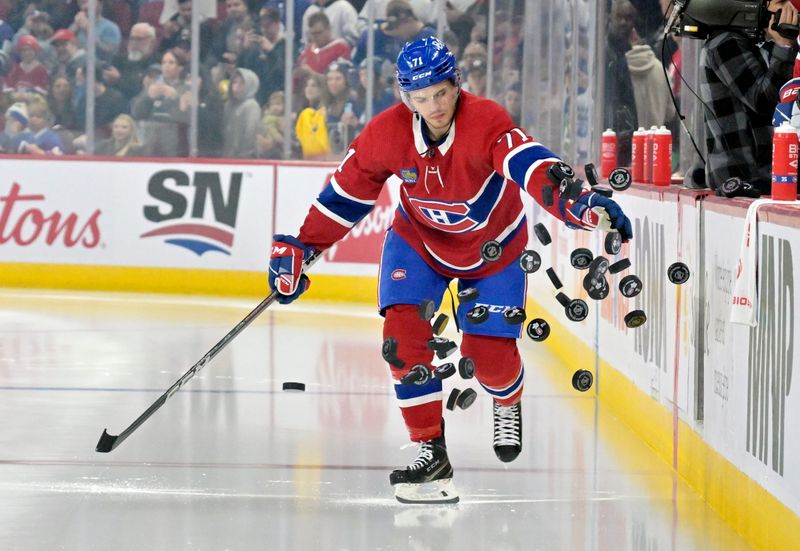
{"points": [[462, 162]]}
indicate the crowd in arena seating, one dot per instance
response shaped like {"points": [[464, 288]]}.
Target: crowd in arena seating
{"points": [[142, 91]]}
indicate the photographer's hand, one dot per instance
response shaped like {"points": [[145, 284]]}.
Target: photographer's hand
{"points": [[788, 16]]}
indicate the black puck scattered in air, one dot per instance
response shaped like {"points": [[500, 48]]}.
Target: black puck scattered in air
{"points": [[613, 243], [591, 174], [478, 314], [451, 400], [547, 196], [598, 267], [590, 282], [560, 171], [427, 308], [630, 286], [446, 351], [530, 261], [466, 367], [619, 266], [491, 251], [444, 371], [635, 318], [562, 299], [581, 258], [514, 315], [418, 375], [538, 329], [577, 310], [440, 323], [551, 273], [603, 190], [620, 179], [542, 234], [294, 386], [678, 273], [582, 380], [468, 295], [599, 292], [466, 398], [389, 353]]}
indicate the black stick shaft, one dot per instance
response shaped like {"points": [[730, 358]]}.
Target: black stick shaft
{"points": [[108, 442]]}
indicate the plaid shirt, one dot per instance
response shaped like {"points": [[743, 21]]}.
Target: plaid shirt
{"points": [[740, 89]]}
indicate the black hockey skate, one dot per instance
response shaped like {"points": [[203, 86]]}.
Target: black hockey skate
{"points": [[507, 431], [429, 478]]}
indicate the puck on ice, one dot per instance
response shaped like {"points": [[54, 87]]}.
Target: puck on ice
{"points": [[635, 318], [542, 234], [530, 261], [678, 273], [581, 258], [630, 286], [491, 251], [538, 329], [291, 385]]}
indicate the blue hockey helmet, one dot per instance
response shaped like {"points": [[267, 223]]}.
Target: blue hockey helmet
{"points": [[425, 62]]}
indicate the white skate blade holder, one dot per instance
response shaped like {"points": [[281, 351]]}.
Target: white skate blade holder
{"points": [[436, 491]]}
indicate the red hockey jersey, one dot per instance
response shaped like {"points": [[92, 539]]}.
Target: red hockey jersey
{"points": [[454, 196]]}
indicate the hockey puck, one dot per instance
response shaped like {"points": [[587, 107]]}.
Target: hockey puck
{"points": [[571, 189], [603, 190], [542, 234], [635, 318], [530, 261], [440, 323], [418, 375], [630, 286], [451, 400], [598, 267], [466, 398], [427, 308], [444, 371], [439, 343], [582, 380], [538, 329], [514, 315], [466, 367], [468, 295], [613, 243], [619, 266], [389, 353], [581, 258], [591, 174], [447, 350], [620, 179], [547, 196], [491, 251], [590, 282], [551, 273], [478, 314], [560, 171], [293, 386], [678, 273], [577, 310], [599, 292], [562, 299]]}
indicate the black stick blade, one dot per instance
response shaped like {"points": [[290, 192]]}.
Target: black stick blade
{"points": [[106, 442]]}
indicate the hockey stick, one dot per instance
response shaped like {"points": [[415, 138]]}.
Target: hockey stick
{"points": [[109, 442]]}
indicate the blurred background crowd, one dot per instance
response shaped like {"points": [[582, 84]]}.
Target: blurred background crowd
{"points": [[273, 85]]}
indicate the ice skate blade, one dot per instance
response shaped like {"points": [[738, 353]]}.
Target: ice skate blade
{"points": [[438, 491]]}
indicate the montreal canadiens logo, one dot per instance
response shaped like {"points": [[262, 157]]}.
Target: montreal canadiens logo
{"points": [[449, 217], [399, 274]]}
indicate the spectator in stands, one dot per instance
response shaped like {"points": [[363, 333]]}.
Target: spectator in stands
{"points": [[157, 109], [28, 75], [512, 102], [311, 130], [241, 116], [476, 77], [323, 48], [265, 53], [382, 96], [452, 42], [69, 57], [237, 18], [473, 51], [44, 140], [341, 115], [403, 25], [15, 131], [107, 33], [60, 102], [269, 140], [124, 140], [6, 33], [620, 103], [108, 103], [651, 92], [127, 70], [300, 7], [37, 25], [177, 31], [342, 18]]}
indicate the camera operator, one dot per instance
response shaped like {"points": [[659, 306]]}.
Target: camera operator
{"points": [[739, 83]]}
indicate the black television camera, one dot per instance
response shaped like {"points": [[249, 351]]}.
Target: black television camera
{"points": [[698, 18]]}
